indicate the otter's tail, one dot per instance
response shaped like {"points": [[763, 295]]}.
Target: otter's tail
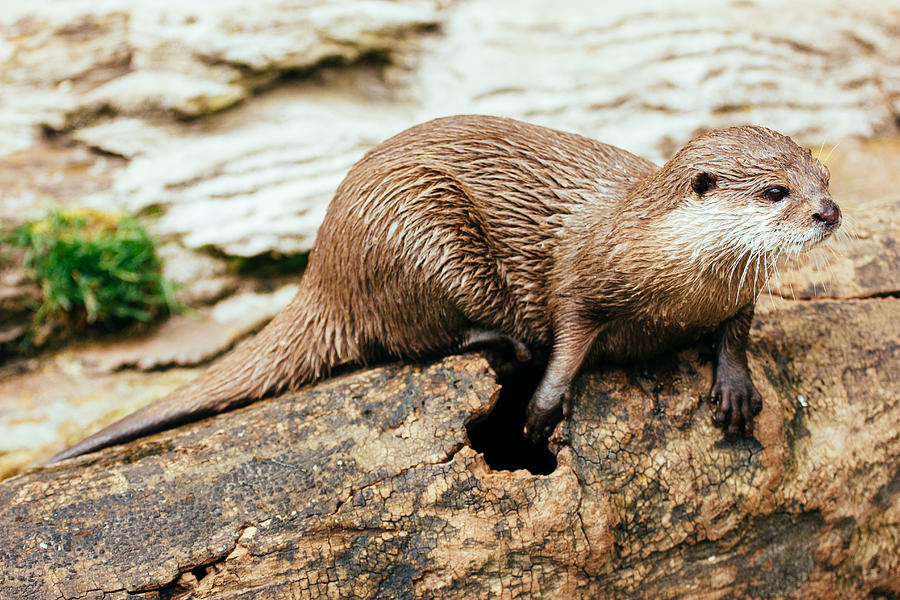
{"points": [[298, 346]]}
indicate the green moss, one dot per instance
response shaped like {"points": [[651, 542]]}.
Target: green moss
{"points": [[93, 267]]}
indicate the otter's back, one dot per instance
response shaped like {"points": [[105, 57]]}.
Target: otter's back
{"points": [[463, 212]]}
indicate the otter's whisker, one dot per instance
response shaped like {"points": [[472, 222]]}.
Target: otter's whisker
{"points": [[768, 276], [782, 253], [760, 271], [815, 267], [744, 275], [843, 235], [821, 272], [733, 271], [827, 261], [835, 252], [762, 261], [848, 230], [833, 148]]}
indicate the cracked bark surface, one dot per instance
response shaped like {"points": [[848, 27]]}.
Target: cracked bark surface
{"points": [[364, 487]]}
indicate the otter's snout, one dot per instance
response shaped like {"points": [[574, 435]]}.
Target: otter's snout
{"points": [[829, 214]]}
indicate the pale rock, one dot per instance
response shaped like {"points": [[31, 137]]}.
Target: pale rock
{"points": [[641, 75], [198, 278], [143, 92], [53, 55], [127, 137], [188, 340], [257, 185]]}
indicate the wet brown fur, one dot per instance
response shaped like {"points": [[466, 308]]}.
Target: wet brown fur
{"points": [[482, 224]]}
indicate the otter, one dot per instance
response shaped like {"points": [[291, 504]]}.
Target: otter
{"points": [[467, 231]]}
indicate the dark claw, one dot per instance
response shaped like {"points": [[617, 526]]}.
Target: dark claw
{"points": [[540, 427], [720, 412], [756, 405], [540, 423], [736, 403], [746, 418]]}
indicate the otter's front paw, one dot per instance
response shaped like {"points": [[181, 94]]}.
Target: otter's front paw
{"points": [[736, 402], [545, 413]]}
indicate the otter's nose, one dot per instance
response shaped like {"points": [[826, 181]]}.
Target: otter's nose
{"points": [[829, 214]]}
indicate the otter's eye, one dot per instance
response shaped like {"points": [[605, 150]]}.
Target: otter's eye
{"points": [[776, 193]]}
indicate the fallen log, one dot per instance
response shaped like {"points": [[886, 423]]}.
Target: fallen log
{"points": [[366, 486]]}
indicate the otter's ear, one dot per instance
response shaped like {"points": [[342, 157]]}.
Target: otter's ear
{"points": [[703, 182]]}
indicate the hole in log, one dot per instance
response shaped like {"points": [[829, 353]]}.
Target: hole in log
{"points": [[200, 572], [498, 434], [186, 585]]}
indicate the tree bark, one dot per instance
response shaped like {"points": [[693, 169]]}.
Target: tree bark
{"points": [[365, 486]]}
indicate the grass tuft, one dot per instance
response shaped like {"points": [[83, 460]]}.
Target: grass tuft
{"points": [[93, 268]]}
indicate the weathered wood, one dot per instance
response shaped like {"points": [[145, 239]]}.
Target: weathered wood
{"points": [[807, 509], [364, 487]]}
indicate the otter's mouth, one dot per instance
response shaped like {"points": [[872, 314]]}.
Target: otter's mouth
{"points": [[814, 236]]}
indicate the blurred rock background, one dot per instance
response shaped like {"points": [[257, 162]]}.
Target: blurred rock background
{"points": [[227, 126]]}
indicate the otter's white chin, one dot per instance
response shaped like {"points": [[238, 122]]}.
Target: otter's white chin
{"points": [[812, 238]]}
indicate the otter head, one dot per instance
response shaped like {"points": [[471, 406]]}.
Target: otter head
{"points": [[752, 192]]}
